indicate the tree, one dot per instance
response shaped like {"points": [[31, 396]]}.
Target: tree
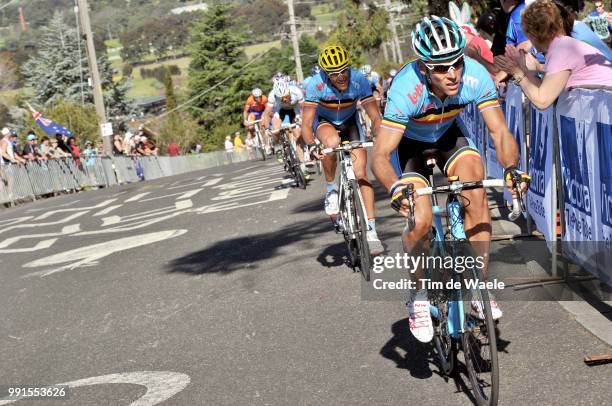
{"points": [[8, 72], [81, 120], [216, 55], [55, 71], [360, 30]]}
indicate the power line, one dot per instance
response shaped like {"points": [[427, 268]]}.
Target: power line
{"points": [[8, 4]]}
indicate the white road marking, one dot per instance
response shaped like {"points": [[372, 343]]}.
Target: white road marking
{"points": [[160, 385], [51, 223], [279, 195], [44, 244], [14, 220], [137, 197], [166, 211], [186, 185], [52, 212], [90, 255], [107, 210], [212, 182], [70, 203], [181, 195], [189, 194]]}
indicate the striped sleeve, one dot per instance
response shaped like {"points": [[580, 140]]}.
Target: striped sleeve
{"points": [[397, 111], [486, 93]]}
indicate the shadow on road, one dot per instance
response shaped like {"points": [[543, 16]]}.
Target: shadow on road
{"points": [[245, 252], [418, 358], [334, 256]]}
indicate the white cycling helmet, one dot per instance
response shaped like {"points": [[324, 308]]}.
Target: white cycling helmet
{"points": [[393, 72], [257, 92], [438, 40], [366, 69], [281, 89]]}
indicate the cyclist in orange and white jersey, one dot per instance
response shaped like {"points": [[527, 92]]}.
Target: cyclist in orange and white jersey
{"points": [[253, 110]]}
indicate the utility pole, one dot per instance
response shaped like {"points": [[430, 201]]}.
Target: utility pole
{"points": [[296, 45], [395, 44], [95, 74]]}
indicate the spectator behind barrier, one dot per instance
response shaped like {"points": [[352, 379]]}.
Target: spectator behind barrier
{"points": [[76, 151], [31, 151], [45, 147], [7, 149], [117, 145], [173, 149], [579, 30], [55, 150], [569, 62], [599, 21], [515, 33]]}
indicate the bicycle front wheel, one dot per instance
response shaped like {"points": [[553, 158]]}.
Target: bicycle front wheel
{"points": [[479, 341], [361, 230]]}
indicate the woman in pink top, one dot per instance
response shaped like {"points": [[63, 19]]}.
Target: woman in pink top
{"points": [[569, 62]]}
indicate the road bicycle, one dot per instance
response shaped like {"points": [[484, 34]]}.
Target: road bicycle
{"points": [[456, 323], [352, 219], [259, 141], [290, 159]]}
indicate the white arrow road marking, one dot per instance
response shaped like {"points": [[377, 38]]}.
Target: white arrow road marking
{"points": [[44, 244], [160, 385], [137, 197], [14, 220], [212, 182], [131, 224], [166, 211], [90, 255], [107, 210], [279, 195], [52, 212], [51, 223], [41, 245], [181, 195]]}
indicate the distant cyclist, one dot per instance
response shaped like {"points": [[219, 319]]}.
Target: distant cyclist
{"points": [[330, 114], [285, 105], [253, 109], [375, 82], [314, 72], [423, 106]]}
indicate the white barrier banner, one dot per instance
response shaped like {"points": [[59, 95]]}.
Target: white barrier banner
{"points": [[539, 198], [584, 122]]}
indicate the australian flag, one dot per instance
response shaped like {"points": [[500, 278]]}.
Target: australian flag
{"points": [[49, 126]]}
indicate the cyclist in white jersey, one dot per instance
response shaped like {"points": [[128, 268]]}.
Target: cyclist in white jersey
{"points": [[285, 105]]}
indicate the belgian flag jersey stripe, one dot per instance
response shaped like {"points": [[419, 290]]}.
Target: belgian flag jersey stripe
{"points": [[420, 115]]}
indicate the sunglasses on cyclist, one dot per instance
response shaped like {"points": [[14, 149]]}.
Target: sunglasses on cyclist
{"points": [[343, 72], [456, 65]]}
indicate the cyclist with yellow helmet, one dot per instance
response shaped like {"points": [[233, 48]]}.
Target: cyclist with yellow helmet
{"points": [[329, 112]]}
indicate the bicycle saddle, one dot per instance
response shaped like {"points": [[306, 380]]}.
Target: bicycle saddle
{"points": [[430, 156]]}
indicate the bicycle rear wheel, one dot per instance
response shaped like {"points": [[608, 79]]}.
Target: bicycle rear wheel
{"points": [[296, 169], [347, 216], [361, 230], [479, 342]]}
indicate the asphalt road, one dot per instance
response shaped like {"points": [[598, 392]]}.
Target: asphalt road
{"points": [[221, 287]]}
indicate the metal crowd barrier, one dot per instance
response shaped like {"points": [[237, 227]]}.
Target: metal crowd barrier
{"points": [[36, 179], [566, 148]]}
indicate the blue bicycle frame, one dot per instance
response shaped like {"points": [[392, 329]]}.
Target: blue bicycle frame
{"points": [[456, 317]]}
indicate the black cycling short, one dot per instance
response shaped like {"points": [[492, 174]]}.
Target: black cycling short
{"points": [[282, 113], [350, 130], [450, 149]]}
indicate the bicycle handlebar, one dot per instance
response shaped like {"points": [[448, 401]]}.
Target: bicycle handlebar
{"points": [[284, 127], [254, 122], [517, 205], [348, 147]]}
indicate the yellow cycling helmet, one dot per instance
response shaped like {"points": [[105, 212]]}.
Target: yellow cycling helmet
{"points": [[333, 58]]}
